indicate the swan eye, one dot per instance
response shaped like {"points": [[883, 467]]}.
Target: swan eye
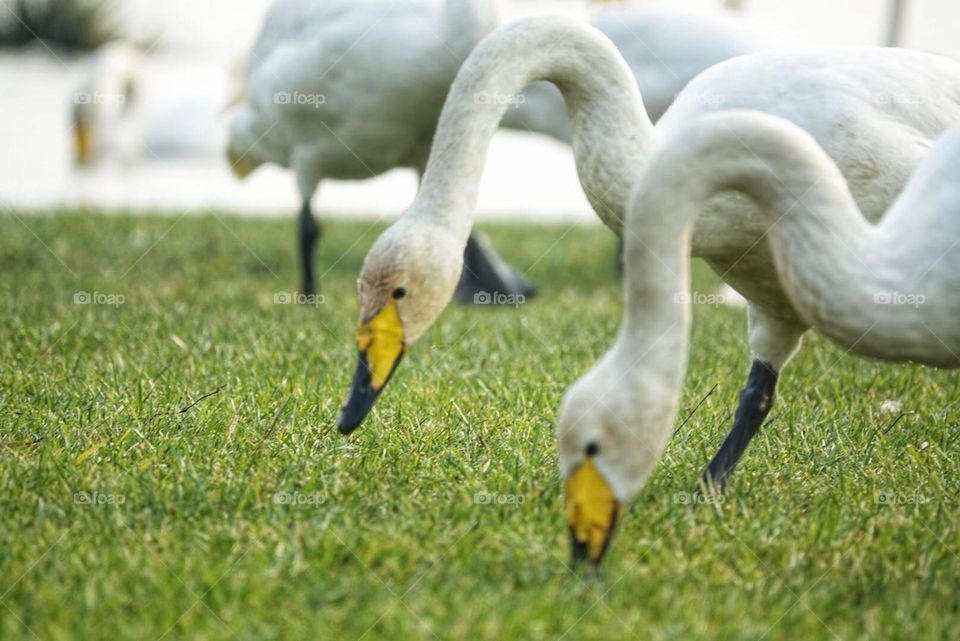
{"points": [[592, 449], [399, 293]]}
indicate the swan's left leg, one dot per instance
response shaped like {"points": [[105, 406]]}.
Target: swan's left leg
{"points": [[773, 342], [309, 233]]}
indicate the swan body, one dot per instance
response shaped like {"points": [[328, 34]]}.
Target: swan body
{"points": [[844, 97], [867, 107], [665, 49], [349, 89], [836, 270], [889, 290]]}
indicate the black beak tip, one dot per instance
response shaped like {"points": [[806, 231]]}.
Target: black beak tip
{"points": [[356, 409], [345, 425], [360, 400], [578, 549]]}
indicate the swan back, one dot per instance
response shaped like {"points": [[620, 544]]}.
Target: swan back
{"points": [[871, 109], [889, 291], [352, 88]]}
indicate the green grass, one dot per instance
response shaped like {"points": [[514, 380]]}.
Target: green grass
{"points": [[198, 400]]}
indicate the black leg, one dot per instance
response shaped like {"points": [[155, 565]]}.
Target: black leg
{"points": [[486, 279], [309, 234], [756, 400]]}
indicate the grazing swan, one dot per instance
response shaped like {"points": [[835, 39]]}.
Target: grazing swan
{"points": [[103, 100], [849, 99], [665, 49], [889, 291], [349, 89]]}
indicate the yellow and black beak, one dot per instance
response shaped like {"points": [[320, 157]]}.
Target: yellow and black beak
{"points": [[82, 143], [592, 512], [381, 346], [241, 164]]}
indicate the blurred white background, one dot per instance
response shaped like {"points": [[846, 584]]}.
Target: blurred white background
{"points": [[185, 80]]}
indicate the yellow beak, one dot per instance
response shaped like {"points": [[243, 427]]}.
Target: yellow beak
{"points": [[592, 512], [381, 346], [82, 143], [241, 165]]}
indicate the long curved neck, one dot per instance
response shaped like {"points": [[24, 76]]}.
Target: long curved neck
{"points": [[817, 233], [610, 127]]}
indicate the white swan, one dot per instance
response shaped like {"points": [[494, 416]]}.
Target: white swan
{"points": [[665, 49], [349, 89], [849, 99], [889, 291], [131, 108], [103, 100]]}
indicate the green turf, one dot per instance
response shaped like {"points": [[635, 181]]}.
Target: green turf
{"points": [[147, 449]]}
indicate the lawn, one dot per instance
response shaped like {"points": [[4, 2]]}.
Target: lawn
{"points": [[170, 469]]}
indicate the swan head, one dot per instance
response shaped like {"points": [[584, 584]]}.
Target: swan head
{"points": [[408, 277], [612, 427], [245, 137]]}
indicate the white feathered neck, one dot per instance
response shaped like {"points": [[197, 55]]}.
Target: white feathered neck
{"points": [[611, 128]]}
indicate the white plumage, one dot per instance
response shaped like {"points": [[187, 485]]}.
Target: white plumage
{"points": [[876, 113], [350, 89], [889, 290], [664, 48]]}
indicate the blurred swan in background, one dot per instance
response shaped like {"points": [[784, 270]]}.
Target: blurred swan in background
{"points": [[104, 100], [349, 89], [127, 110]]}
